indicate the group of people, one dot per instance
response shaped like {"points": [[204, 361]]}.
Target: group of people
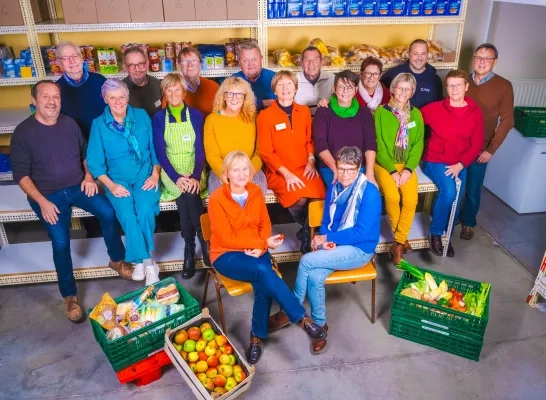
{"points": [[340, 138]]}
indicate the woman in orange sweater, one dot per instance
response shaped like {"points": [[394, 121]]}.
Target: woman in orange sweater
{"points": [[239, 249]]}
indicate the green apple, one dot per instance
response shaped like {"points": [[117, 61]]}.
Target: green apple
{"points": [[230, 383], [232, 360], [178, 347], [189, 345], [208, 334]]}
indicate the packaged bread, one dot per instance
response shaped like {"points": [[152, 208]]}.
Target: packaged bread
{"points": [[351, 58], [296, 60], [122, 312], [338, 62], [283, 58], [105, 312], [362, 52], [319, 44], [332, 51], [326, 61]]}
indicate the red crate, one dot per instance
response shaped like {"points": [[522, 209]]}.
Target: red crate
{"points": [[145, 371]]}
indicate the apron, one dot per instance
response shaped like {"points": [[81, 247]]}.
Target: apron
{"points": [[180, 141]]}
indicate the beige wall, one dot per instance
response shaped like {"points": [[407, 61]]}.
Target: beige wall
{"points": [[475, 27]]}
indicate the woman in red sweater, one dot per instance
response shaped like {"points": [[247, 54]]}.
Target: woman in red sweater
{"points": [[239, 249], [456, 138]]}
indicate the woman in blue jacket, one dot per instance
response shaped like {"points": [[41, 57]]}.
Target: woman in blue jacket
{"points": [[121, 155]]}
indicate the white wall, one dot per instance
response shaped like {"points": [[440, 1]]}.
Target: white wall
{"points": [[475, 27]]}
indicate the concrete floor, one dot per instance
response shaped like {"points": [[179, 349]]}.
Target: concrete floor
{"points": [[43, 355]]}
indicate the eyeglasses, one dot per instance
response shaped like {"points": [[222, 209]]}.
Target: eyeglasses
{"points": [[132, 67], [403, 89], [486, 60], [190, 62], [73, 57], [312, 60], [371, 74], [238, 96], [349, 171], [248, 61], [346, 89], [456, 86]]}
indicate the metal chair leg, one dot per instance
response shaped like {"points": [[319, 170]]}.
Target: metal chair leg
{"points": [[220, 307], [373, 301], [204, 301]]}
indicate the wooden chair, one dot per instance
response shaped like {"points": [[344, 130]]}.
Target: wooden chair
{"points": [[233, 287], [365, 273]]}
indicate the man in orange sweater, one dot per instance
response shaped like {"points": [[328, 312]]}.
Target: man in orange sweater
{"points": [[201, 90], [495, 97]]}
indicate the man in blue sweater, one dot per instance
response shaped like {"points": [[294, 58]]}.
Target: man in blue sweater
{"points": [[429, 85]]}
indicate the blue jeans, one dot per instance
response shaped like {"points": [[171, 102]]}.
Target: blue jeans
{"points": [[447, 190], [266, 284], [471, 204], [316, 266], [59, 233], [327, 175]]}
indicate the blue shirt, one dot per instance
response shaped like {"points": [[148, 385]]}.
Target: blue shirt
{"points": [[485, 79], [261, 87]]}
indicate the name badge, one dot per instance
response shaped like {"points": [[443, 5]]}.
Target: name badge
{"points": [[157, 103], [186, 138], [280, 127], [412, 124]]}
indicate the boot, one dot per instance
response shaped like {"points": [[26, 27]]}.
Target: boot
{"points": [[204, 249], [311, 328], [303, 236], [318, 345], [123, 268], [254, 350], [397, 252], [450, 250], [467, 233], [188, 269], [436, 245], [407, 247], [73, 310], [278, 321]]}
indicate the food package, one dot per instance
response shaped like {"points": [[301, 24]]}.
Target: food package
{"points": [[168, 294], [218, 58], [296, 60], [147, 293], [229, 51], [351, 58], [122, 312], [108, 62], [435, 51], [283, 58], [87, 52], [319, 44], [338, 61], [105, 312], [116, 332]]}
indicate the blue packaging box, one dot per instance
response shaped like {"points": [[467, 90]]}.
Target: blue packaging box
{"points": [[429, 8], [384, 8], [441, 7], [294, 9], [369, 8], [414, 8], [399, 8], [339, 8], [271, 9], [324, 8], [354, 8], [454, 7], [309, 9]]}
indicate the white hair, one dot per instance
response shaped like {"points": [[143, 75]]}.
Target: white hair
{"points": [[62, 45], [113, 84]]}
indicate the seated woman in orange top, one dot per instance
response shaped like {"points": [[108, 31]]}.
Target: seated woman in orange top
{"points": [[239, 243], [286, 147]]}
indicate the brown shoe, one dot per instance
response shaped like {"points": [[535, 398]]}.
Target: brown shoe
{"points": [[123, 268], [467, 233], [278, 321], [397, 252], [318, 345], [72, 309], [407, 247]]}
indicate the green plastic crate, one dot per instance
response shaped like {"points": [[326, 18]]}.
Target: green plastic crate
{"points": [[452, 320], [434, 336], [530, 121], [138, 345]]}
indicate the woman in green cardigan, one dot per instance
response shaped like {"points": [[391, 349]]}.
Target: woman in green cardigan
{"points": [[400, 140]]}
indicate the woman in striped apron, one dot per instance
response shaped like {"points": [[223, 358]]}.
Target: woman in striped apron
{"points": [[178, 140]]}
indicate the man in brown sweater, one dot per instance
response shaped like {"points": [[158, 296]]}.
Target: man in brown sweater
{"points": [[495, 96]]}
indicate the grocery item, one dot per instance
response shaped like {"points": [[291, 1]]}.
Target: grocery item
{"points": [[354, 8], [144, 296], [369, 7], [168, 294], [428, 8], [319, 44], [105, 312], [169, 50], [153, 54], [229, 51], [116, 333], [283, 58], [294, 9], [414, 8], [108, 62], [324, 8]]}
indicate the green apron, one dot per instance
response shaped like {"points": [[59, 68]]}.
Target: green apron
{"points": [[180, 148]]}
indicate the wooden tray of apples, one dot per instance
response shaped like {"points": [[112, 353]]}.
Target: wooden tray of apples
{"points": [[207, 361]]}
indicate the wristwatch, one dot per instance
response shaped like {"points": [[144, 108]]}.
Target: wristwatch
{"points": [[311, 157]]}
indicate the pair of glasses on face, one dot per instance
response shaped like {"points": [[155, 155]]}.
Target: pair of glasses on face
{"points": [[132, 67], [486, 60], [346, 89], [189, 62], [348, 171], [403, 89], [371, 74], [456, 86], [73, 57], [248, 61], [238, 96]]}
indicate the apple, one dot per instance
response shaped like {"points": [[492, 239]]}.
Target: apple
{"points": [[178, 347], [227, 348], [212, 361], [220, 390], [208, 334], [202, 356], [204, 326], [232, 360], [202, 366], [193, 367], [219, 380], [209, 351], [225, 370], [193, 356], [200, 345], [202, 377], [237, 368], [209, 385], [189, 346], [230, 383], [213, 344], [221, 340], [240, 376], [194, 333], [181, 336], [224, 359], [211, 373], [184, 355], [218, 354]]}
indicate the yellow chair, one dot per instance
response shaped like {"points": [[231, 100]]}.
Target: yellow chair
{"points": [[365, 273], [233, 287]]}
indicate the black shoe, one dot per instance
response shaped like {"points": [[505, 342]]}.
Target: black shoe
{"points": [[450, 250], [305, 240], [204, 249], [188, 269], [436, 245], [311, 328], [255, 349]]}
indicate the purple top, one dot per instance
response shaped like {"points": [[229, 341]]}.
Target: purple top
{"points": [[331, 132], [197, 120]]}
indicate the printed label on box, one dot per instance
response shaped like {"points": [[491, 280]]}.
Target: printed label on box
{"points": [[399, 7], [383, 8], [415, 7], [428, 7], [369, 7]]}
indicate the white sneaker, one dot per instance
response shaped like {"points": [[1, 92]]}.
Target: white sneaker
{"points": [[138, 272], [152, 274]]}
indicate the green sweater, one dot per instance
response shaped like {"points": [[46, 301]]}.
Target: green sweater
{"points": [[386, 128]]}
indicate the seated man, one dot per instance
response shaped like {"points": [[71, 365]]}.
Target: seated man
{"points": [[47, 156]]}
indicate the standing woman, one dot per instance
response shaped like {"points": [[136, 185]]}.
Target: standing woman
{"points": [[286, 146], [371, 92], [121, 155], [400, 141], [240, 242], [230, 127], [178, 141], [456, 139]]}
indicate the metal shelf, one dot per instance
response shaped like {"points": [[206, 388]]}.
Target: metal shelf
{"points": [[13, 30], [18, 81], [6, 176], [355, 68], [364, 21], [11, 117]]}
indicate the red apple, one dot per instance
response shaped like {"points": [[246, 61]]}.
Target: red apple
{"points": [[204, 326], [213, 344], [218, 353], [194, 333], [212, 361], [202, 356], [211, 373], [227, 349], [181, 336], [220, 390], [240, 376], [184, 355], [219, 380]]}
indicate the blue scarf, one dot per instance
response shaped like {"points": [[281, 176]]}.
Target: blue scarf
{"points": [[73, 83], [127, 130], [352, 197]]}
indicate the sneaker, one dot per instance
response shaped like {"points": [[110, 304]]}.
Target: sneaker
{"points": [[152, 274], [122, 268], [138, 272], [72, 309]]}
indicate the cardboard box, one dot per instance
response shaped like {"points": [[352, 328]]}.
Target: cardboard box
{"points": [[210, 10], [242, 9], [80, 12], [146, 10], [179, 10], [112, 11], [10, 12]]}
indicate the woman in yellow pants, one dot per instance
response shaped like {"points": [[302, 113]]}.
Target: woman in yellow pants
{"points": [[400, 140]]}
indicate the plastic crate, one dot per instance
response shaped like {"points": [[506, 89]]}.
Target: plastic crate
{"points": [[430, 335], [138, 345], [146, 371], [446, 317], [530, 121]]}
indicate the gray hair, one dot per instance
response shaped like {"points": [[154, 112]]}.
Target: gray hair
{"points": [[351, 155], [488, 46], [134, 50], [250, 45], [404, 77], [113, 84], [67, 43]]}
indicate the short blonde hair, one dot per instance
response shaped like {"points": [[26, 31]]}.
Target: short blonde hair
{"points": [[283, 74], [173, 79], [231, 159], [248, 110], [403, 77]]}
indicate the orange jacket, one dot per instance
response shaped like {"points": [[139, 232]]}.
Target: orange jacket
{"points": [[234, 228]]}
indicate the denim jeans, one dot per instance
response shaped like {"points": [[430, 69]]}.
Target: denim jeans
{"points": [[266, 284], [327, 175], [59, 233], [471, 203], [447, 190], [316, 266]]}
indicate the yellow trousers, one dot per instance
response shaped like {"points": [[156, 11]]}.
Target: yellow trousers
{"points": [[400, 216]]}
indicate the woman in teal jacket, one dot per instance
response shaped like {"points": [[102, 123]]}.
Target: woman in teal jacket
{"points": [[121, 155]]}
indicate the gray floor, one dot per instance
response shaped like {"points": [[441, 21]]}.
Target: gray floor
{"points": [[42, 355]]}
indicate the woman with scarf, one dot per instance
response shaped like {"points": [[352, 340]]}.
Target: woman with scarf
{"points": [[371, 93], [349, 234], [400, 141], [121, 155], [343, 123]]}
